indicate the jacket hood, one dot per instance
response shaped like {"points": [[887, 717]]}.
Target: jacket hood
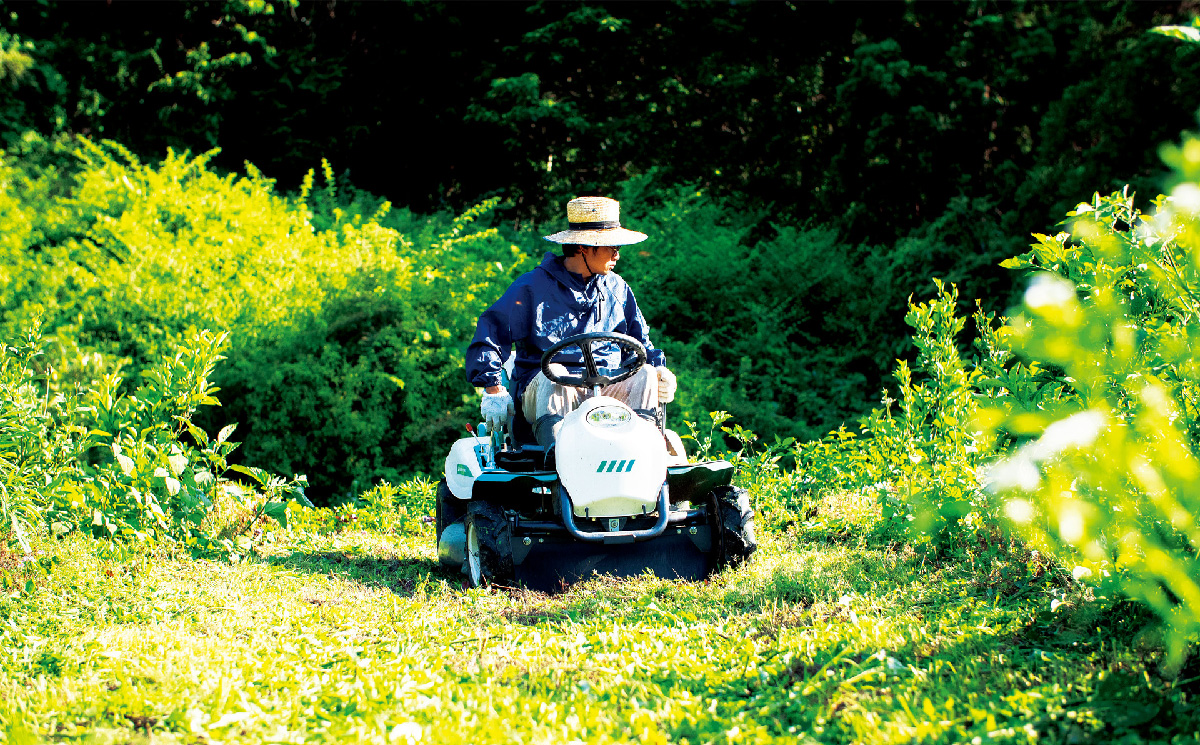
{"points": [[584, 293]]}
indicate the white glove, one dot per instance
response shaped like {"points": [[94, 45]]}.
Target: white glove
{"points": [[666, 385], [496, 409]]}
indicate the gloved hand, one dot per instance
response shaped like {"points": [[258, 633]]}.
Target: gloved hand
{"points": [[666, 385], [496, 409]]}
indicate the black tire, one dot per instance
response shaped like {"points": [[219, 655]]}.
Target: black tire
{"points": [[489, 557], [733, 523], [450, 509]]}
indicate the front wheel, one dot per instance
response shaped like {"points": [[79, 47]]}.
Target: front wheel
{"points": [[489, 557], [733, 519]]}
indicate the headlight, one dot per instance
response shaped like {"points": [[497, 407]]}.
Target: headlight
{"points": [[608, 416]]}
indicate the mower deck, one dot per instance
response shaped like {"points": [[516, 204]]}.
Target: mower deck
{"points": [[550, 562]]}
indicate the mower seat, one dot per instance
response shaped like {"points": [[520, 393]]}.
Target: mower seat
{"points": [[525, 454], [522, 430]]}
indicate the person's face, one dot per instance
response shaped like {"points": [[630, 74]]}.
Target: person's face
{"points": [[602, 259]]}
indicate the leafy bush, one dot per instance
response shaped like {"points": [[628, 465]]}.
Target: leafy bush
{"points": [[155, 486], [33, 455], [927, 452], [116, 463], [347, 318], [919, 460], [396, 510], [757, 323], [1106, 474], [345, 356]]}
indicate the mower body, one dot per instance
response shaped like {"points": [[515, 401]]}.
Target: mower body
{"points": [[619, 498]]}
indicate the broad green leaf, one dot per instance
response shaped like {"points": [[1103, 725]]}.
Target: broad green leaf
{"points": [[255, 473], [300, 497], [277, 511], [198, 434]]}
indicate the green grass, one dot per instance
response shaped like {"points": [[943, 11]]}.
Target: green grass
{"points": [[360, 637]]}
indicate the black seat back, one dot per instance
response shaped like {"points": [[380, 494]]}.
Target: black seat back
{"points": [[522, 430]]}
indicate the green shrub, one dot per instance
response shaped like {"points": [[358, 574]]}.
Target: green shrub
{"points": [[1104, 414], [33, 454], [117, 463], [395, 510], [919, 458], [345, 359], [141, 480], [927, 451], [788, 329]]}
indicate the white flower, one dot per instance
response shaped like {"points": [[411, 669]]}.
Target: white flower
{"points": [[1018, 472], [410, 731], [1049, 290], [1018, 510], [1187, 196], [1078, 430]]}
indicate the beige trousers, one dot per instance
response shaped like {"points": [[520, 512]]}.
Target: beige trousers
{"points": [[543, 397]]}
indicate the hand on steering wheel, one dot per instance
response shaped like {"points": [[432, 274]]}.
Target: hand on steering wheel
{"points": [[593, 375]]}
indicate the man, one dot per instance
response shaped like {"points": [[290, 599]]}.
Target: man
{"points": [[566, 295]]}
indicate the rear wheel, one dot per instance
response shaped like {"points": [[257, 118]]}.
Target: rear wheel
{"points": [[450, 509], [489, 549], [733, 520]]}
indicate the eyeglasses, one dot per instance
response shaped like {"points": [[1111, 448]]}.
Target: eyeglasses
{"points": [[616, 250]]}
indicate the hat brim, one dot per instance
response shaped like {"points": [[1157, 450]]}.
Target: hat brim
{"points": [[609, 237]]}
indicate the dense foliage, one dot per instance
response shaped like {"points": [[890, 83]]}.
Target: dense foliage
{"points": [[344, 356], [910, 141], [114, 463], [347, 318], [1054, 470], [1112, 481], [1087, 396]]}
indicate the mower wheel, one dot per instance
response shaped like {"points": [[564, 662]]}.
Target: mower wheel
{"points": [[489, 548], [733, 519], [450, 509]]}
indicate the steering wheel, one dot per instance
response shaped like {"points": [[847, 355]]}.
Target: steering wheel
{"points": [[595, 375]]}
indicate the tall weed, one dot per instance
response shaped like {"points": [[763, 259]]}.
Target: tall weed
{"points": [[917, 453]]}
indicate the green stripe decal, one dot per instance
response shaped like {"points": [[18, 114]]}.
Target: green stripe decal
{"points": [[615, 466]]}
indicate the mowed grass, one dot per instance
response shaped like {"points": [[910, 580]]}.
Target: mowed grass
{"points": [[360, 637]]}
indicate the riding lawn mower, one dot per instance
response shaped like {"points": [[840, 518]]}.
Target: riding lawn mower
{"points": [[615, 494]]}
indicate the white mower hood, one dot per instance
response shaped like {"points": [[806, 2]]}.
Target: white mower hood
{"points": [[611, 461]]}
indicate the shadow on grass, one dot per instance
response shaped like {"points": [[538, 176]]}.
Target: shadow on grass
{"points": [[400, 576]]}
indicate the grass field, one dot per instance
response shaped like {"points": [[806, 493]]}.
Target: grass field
{"points": [[359, 637]]}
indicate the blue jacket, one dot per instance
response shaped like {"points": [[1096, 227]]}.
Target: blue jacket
{"points": [[546, 306]]}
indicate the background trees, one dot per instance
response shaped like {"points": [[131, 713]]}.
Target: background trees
{"points": [[819, 162]]}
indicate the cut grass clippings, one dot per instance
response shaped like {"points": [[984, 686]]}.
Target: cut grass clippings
{"points": [[360, 637]]}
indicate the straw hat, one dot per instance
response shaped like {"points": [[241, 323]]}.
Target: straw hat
{"points": [[595, 221]]}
